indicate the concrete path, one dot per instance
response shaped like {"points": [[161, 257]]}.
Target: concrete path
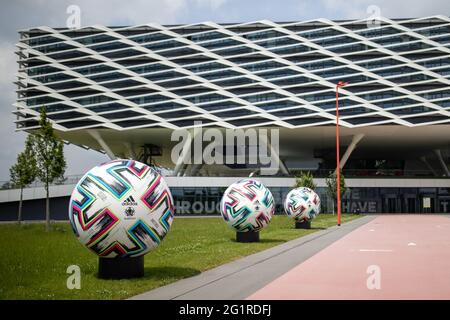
{"points": [[243, 277], [391, 257]]}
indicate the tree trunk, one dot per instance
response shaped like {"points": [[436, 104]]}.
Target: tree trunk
{"points": [[47, 209], [19, 215], [334, 206]]}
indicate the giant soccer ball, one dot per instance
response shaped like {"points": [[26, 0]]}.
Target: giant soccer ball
{"points": [[302, 204], [247, 205], [121, 208]]}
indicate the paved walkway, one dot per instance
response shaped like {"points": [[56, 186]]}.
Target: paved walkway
{"points": [[408, 256], [383, 257], [241, 278]]}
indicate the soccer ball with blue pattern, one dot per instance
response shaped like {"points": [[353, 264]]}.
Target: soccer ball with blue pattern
{"points": [[121, 208], [247, 205], [302, 204]]}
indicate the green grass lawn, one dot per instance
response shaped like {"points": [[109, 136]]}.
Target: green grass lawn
{"points": [[33, 262]]}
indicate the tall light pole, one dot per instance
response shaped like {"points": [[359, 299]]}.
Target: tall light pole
{"points": [[338, 165]]}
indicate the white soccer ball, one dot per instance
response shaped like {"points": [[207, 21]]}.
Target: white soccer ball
{"points": [[247, 205], [121, 208], [302, 204]]}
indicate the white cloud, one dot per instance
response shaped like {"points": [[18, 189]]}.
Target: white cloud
{"points": [[114, 12], [141, 11], [8, 66], [213, 4], [357, 9]]}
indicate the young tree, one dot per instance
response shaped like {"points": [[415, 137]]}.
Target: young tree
{"points": [[305, 179], [332, 186], [48, 150], [23, 172]]}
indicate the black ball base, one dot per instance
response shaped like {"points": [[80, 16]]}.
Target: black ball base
{"points": [[303, 224], [121, 268], [249, 236]]}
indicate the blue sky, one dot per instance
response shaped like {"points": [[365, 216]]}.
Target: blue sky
{"points": [[21, 14]]}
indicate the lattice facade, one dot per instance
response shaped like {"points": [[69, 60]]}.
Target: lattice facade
{"points": [[236, 75]]}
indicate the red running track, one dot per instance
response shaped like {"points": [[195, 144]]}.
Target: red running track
{"points": [[411, 251]]}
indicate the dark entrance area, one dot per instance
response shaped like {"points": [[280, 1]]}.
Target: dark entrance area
{"points": [[410, 204], [390, 204]]}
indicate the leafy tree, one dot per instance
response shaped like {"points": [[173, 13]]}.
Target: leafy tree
{"points": [[305, 179], [23, 172], [332, 186], [49, 154]]}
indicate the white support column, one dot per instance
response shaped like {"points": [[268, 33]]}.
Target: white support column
{"points": [[195, 168], [280, 163], [186, 171], [350, 148], [184, 155], [253, 173], [96, 135], [441, 160], [283, 167], [181, 165], [424, 160], [184, 168], [131, 151]]}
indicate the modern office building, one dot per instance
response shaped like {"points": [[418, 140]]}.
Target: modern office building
{"points": [[123, 90]]}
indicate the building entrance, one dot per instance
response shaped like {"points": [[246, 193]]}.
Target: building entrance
{"points": [[409, 204], [390, 204]]}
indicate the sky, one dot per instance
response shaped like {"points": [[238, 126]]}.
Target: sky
{"points": [[23, 14]]}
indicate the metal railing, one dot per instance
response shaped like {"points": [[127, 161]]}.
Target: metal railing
{"points": [[322, 173], [70, 179], [371, 173]]}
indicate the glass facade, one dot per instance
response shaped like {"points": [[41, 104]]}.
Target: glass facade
{"points": [[206, 200], [397, 70]]}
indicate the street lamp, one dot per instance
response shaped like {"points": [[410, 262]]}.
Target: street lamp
{"points": [[338, 165]]}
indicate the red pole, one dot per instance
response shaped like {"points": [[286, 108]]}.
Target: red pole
{"points": [[338, 166], [338, 171]]}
